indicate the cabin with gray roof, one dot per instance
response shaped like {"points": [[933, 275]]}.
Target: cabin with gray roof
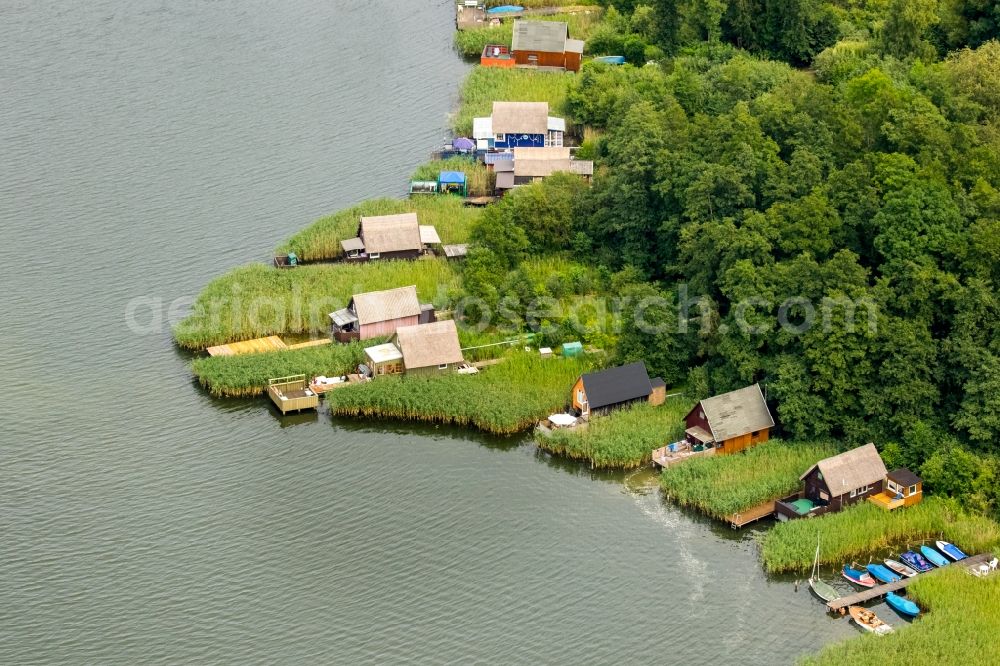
{"points": [[546, 44], [615, 388], [730, 422]]}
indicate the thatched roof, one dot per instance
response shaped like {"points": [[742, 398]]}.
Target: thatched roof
{"points": [[544, 36], [390, 233], [851, 470], [375, 306], [736, 413], [541, 162], [429, 345], [520, 117]]}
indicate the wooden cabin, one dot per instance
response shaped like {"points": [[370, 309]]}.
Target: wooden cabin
{"points": [[836, 482], [518, 125], [596, 393], [535, 164], [422, 349], [546, 44], [292, 394], [378, 314], [387, 237], [730, 422], [902, 488]]}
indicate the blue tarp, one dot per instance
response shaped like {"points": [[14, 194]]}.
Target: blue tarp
{"points": [[505, 9], [613, 60], [452, 178]]}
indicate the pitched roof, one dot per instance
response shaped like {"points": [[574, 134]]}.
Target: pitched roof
{"points": [[541, 162], [574, 45], [375, 306], [850, 470], [546, 36], [736, 413], [616, 385], [390, 233], [429, 345], [520, 117], [904, 477]]}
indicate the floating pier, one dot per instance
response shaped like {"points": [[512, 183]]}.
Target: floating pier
{"points": [[840, 605]]}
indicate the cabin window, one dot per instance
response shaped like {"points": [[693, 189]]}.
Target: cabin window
{"points": [[580, 397], [893, 488], [443, 366], [352, 253], [913, 490], [854, 493], [500, 137], [375, 255]]}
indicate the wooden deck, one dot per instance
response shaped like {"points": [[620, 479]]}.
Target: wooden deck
{"points": [[310, 343], [737, 520], [255, 346], [886, 501], [841, 604], [468, 18], [664, 457]]}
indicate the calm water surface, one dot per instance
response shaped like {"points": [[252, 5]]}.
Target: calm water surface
{"points": [[147, 146]]}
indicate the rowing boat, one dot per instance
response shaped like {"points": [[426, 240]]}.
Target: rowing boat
{"points": [[869, 621]]}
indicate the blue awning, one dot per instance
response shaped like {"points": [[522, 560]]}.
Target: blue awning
{"points": [[505, 9], [452, 178]]}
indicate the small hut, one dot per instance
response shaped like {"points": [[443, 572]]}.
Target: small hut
{"points": [[452, 182]]}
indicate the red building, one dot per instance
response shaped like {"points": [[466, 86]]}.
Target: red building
{"points": [[546, 44]]}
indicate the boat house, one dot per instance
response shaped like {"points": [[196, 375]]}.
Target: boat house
{"points": [[730, 422], [388, 237], [601, 392], [545, 44], [902, 488], [836, 482], [378, 314], [518, 125], [424, 348]]}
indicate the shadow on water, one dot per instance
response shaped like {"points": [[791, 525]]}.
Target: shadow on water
{"points": [[438, 431]]}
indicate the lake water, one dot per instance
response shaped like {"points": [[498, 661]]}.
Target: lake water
{"points": [[147, 146]]}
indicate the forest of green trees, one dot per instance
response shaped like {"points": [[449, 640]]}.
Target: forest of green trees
{"points": [[776, 155]]}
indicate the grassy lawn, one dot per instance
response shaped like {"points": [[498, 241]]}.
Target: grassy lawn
{"points": [[865, 530], [486, 85], [622, 439], [256, 300], [501, 399], [960, 625], [321, 240], [723, 485]]}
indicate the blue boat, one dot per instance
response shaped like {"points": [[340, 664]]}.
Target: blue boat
{"points": [[883, 573], [861, 578], [936, 558], [917, 561], [902, 605], [951, 550]]}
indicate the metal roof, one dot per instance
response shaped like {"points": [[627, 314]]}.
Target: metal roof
{"points": [[352, 245], [429, 345], [520, 117], [736, 413], [574, 46], [545, 36], [617, 385], [375, 306], [505, 180], [504, 165], [851, 470], [493, 158], [383, 353], [390, 233], [556, 124], [342, 318], [429, 235], [455, 251]]}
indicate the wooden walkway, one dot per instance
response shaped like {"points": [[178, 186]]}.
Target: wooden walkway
{"points": [[311, 343], [256, 346], [881, 590]]}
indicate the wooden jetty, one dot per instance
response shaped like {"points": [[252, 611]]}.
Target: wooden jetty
{"points": [[840, 605], [663, 457], [310, 343], [255, 346], [738, 520]]}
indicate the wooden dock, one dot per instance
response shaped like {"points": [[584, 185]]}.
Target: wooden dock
{"points": [[310, 343], [255, 346], [743, 518], [840, 605]]}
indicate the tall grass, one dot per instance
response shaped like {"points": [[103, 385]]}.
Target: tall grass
{"points": [[622, 439], [960, 625], [724, 485], [470, 43], [501, 399], [479, 179], [321, 240], [256, 300], [486, 85], [247, 375], [865, 530]]}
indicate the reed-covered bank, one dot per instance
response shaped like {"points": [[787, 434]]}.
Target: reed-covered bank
{"points": [[502, 399], [485, 85], [246, 376], [960, 625], [320, 241], [865, 530], [723, 485], [479, 180], [622, 439], [256, 300], [470, 43]]}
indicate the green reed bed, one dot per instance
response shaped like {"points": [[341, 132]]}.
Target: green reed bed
{"points": [[256, 300], [320, 241], [246, 375], [622, 439], [723, 485], [865, 530], [484, 85], [502, 399], [960, 625], [470, 43], [479, 179]]}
